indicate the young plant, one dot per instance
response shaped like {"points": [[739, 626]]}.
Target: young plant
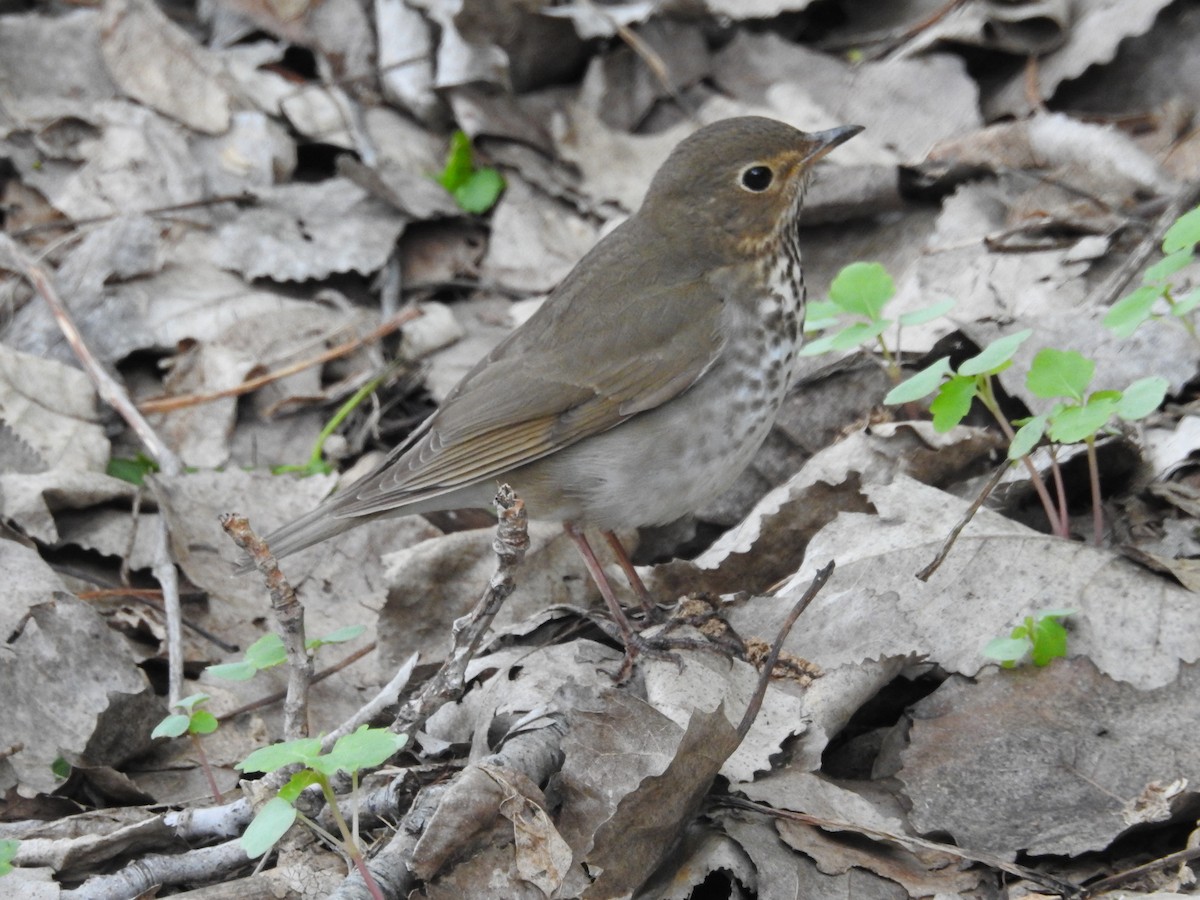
{"points": [[1179, 249], [476, 190], [857, 298], [268, 651], [8, 852], [1041, 637], [317, 464], [193, 721], [1064, 376], [363, 749]]}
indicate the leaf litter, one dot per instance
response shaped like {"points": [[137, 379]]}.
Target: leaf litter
{"points": [[223, 194]]}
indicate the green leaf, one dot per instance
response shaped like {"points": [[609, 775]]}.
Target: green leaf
{"points": [[859, 333], [133, 470], [1076, 423], [953, 402], [190, 701], [171, 726], [817, 347], [922, 384], [276, 756], [1027, 437], [235, 671], [926, 314], [1049, 641], [1141, 398], [480, 191], [349, 633], [203, 722], [271, 823], [1168, 266], [8, 852], [1124, 317], [297, 783], [60, 767], [459, 163], [362, 749], [1007, 649], [266, 652], [862, 288], [1187, 304], [1060, 373], [992, 358], [820, 314], [1185, 233]]}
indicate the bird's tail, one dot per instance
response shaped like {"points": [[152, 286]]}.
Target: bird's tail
{"points": [[311, 528]]}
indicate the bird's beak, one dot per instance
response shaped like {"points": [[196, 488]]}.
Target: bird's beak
{"points": [[822, 142]]}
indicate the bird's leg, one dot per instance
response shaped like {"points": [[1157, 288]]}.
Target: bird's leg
{"points": [[631, 575], [628, 637]]}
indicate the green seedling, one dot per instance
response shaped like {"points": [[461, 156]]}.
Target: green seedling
{"points": [[268, 651], [132, 470], [1077, 416], [193, 721], [1041, 637], [1179, 250], [476, 190], [8, 852], [317, 464], [858, 297], [363, 749]]}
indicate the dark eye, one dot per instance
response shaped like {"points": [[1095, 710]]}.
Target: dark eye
{"points": [[757, 178]]}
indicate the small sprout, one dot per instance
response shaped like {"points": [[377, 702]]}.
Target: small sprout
{"points": [[8, 852], [476, 190], [268, 651], [133, 470], [193, 721], [60, 768], [1041, 636]]}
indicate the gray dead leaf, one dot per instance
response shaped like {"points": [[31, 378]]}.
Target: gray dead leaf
{"points": [[405, 60], [784, 874], [140, 161], [709, 681], [31, 501], [51, 409], [753, 9], [1097, 29], [300, 232], [891, 98], [1028, 28], [592, 21], [535, 240], [1135, 626], [321, 113], [631, 780], [103, 708], [254, 153], [1062, 790], [51, 69], [434, 582], [702, 852], [111, 532], [1167, 449], [156, 62]]}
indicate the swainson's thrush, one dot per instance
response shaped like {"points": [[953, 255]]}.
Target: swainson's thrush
{"points": [[647, 380]]}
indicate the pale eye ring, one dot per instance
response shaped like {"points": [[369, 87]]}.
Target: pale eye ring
{"points": [[757, 178]]}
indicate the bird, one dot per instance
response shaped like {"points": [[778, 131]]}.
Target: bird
{"points": [[646, 380]]}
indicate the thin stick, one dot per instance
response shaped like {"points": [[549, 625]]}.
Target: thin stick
{"points": [[289, 617], [1112, 881], [170, 404], [276, 696], [926, 572], [115, 396], [243, 199], [764, 677]]}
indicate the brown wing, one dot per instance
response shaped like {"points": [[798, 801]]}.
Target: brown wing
{"points": [[610, 342]]}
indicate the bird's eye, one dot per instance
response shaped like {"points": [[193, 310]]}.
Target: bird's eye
{"points": [[757, 178]]}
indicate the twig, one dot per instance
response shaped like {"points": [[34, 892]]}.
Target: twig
{"points": [[170, 404], [1112, 881], [1065, 888], [962, 523], [115, 396], [510, 545], [768, 668], [243, 199], [289, 616]]}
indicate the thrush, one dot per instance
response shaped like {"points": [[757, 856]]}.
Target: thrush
{"points": [[646, 381]]}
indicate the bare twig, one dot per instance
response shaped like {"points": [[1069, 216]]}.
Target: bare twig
{"points": [[962, 523], [1107, 884], [276, 696], [115, 396], [243, 199], [170, 404], [768, 668], [512, 540], [289, 616]]}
